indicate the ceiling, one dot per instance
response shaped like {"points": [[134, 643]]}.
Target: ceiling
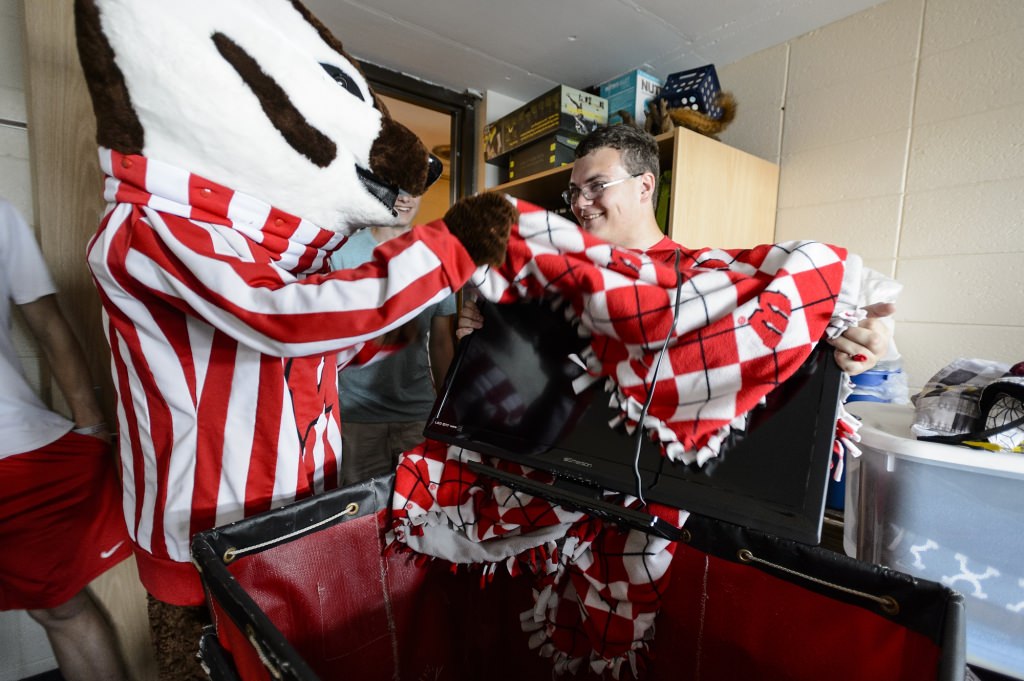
{"points": [[523, 48]]}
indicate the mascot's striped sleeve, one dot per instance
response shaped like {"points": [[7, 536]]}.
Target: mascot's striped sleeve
{"points": [[219, 310]]}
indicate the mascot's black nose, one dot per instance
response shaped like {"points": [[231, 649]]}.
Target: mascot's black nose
{"points": [[434, 169]]}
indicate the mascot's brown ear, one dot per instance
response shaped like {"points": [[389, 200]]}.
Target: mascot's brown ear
{"points": [[117, 124], [482, 223]]}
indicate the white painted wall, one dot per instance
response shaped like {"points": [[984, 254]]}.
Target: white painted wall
{"points": [[900, 134]]}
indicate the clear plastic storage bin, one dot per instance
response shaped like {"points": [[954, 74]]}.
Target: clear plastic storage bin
{"points": [[947, 513]]}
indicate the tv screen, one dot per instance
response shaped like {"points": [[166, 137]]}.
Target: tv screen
{"points": [[509, 394]]}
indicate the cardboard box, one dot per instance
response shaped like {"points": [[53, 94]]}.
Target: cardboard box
{"points": [[549, 152], [945, 513], [630, 92], [562, 108]]}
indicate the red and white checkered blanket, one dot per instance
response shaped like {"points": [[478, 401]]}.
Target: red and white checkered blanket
{"points": [[733, 324], [745, 320]]}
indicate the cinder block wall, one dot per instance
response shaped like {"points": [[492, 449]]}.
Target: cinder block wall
{"points": [[900, 134]]}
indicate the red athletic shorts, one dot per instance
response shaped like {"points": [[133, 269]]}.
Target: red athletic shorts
{"points": [[61, 523]]}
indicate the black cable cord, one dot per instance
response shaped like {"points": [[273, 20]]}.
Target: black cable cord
{"points": [[962, 438], [650, 391]]}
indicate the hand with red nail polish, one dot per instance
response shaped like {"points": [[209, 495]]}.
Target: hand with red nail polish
{"points": [[860, 347]]}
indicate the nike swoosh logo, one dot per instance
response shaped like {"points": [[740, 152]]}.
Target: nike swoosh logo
{"points": [[109, 552]]}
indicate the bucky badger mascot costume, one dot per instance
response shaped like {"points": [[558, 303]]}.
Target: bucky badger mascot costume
{"points": [[241, 146]]}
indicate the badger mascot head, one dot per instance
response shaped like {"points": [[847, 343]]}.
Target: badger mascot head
{"points": [[242, 145], [256, 95]]}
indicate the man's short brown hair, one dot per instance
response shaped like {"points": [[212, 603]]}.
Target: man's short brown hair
{"points": [[638, 149]]}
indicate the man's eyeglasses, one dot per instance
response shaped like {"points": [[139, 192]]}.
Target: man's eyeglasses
{"points": [[593, 190]]}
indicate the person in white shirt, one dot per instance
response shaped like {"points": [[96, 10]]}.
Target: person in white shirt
{"points": [[61, 524]]}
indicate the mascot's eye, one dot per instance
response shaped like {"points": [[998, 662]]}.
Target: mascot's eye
{"points": [[343, 80]]}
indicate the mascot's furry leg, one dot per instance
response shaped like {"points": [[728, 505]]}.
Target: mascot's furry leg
{"points": [[174, 631]]}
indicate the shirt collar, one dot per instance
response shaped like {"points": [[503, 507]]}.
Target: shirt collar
{"points": [[293, 242]]}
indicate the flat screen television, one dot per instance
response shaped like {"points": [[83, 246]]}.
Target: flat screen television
{"points": [[509, 394]]}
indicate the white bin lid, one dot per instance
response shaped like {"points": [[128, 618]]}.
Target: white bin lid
{"points": [[886, 427]]}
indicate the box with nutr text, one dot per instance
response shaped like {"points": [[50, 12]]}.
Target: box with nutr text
{"points": [[630, 92]]}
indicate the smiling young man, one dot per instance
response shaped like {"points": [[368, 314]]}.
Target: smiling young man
{"points": [[60, 512], [612, 192], [613, 184]]}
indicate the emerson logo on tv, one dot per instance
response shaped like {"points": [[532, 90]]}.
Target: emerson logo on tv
{"points": [[577, 462]]}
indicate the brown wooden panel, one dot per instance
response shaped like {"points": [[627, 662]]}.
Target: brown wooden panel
{"points": [[721, 196], [66, 178]]}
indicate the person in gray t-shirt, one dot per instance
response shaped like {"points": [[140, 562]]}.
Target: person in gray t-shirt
{"points": [[385, 405]]}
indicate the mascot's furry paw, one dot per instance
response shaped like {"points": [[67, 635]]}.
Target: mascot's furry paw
{"points": [[482, 223]]}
